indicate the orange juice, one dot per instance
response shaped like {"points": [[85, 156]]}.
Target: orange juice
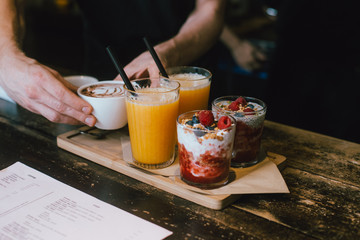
{"points": [[193, 98], [152, 117], [194, 87]]}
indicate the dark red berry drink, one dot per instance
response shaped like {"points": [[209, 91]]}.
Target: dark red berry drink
{"points": [[249, 113], [205, 148]]}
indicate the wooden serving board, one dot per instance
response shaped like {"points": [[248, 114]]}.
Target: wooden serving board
{"points": [[104, 148]]}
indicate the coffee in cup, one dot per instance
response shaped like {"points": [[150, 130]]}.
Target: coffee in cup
{"points": [[108, 101]]}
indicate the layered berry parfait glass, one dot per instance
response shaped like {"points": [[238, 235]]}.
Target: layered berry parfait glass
{"points": [[205, 148], [249, 113]]}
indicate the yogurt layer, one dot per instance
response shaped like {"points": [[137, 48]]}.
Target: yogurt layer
{"points": [[211, 143]]}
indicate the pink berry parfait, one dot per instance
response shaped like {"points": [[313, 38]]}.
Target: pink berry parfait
{"points": [[205, 148], [249, 113]]}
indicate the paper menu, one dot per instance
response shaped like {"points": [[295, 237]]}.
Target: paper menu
{"points": [[36, 206]]}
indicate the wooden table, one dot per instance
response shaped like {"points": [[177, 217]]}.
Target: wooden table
{"points": [[321, 172]]}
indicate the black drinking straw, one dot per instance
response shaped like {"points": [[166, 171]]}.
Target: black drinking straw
{"points": [[121, 71], [156, 58]]}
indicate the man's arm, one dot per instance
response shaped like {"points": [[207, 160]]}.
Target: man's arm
{"points": [[196, 36], [11, 22], [31, 84]]}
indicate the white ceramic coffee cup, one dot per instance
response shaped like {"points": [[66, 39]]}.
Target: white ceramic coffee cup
{"points": [[109, 111]]}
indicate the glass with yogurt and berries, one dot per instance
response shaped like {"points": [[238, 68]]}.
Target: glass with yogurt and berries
{"points": [[205, 148], [152, 110], [194, 86], [249, 113]]}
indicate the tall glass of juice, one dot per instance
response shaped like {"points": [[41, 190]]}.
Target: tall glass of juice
{"points": [[152, 110], [194, 86]]}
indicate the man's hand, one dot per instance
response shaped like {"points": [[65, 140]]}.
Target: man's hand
{"points": [[42, 90], [142, 66], [248, 56]]}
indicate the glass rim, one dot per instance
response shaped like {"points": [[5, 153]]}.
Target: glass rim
{"points": [[233, 120], [149, 78], [223, 98], [190, 67]]}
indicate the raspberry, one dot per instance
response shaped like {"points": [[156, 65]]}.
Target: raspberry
{"points": [[249, 111], [234, 106], [224, 122], [241, 101], [206, 117]]}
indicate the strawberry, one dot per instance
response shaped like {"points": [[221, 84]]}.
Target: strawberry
{"points": [[224, 122], [241, 100], [234, 106], [206, 117]]}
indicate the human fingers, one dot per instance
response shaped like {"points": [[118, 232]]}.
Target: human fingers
{"points": [[141, 74], [118, 78], [259, 55], [153, 72], [135, 75], [52, 115], [135, 71], [35, 105], [56, 111], [138, 68], [53, 94]]}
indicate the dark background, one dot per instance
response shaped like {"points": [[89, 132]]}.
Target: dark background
{"points": [[53, 34], [54, 37]]}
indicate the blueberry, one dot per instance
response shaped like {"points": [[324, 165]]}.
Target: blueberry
{"points": [[210, 127], [250, 106], [191, 123], [195, 119]]}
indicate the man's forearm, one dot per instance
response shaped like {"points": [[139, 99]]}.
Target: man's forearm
{"points": [[201, 30], [229, 38], [11, 24]]}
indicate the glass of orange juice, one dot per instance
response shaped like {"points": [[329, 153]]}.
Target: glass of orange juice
{"points": [[152, 111], [194, 87]]}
